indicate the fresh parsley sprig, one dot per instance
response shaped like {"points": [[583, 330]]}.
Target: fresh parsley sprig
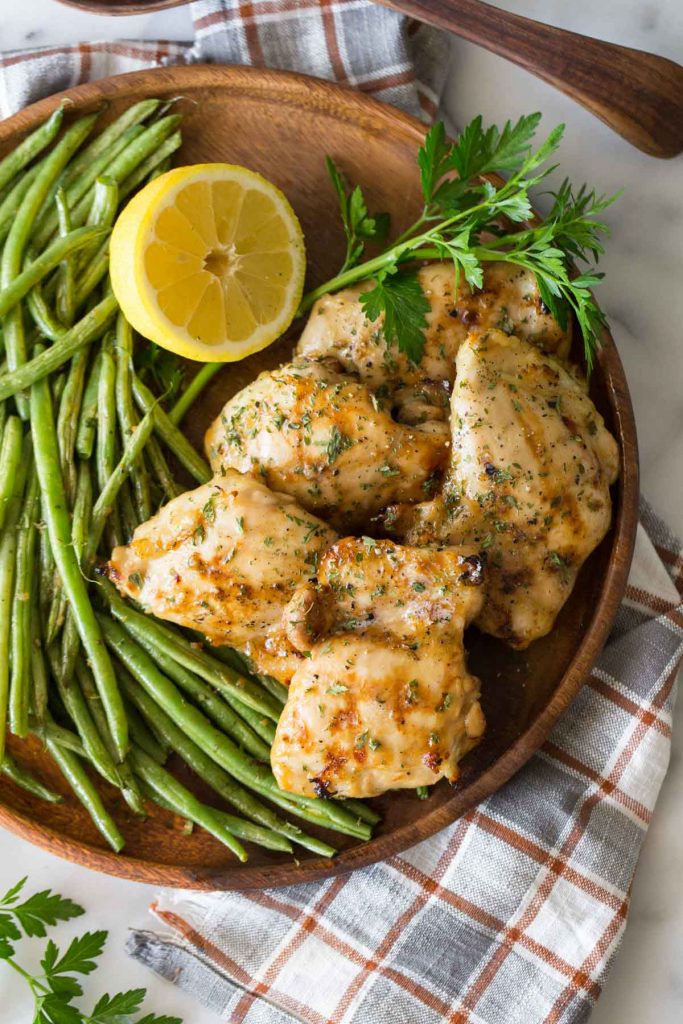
{"points": [[56, 987], [469, 220], [359, 226]]}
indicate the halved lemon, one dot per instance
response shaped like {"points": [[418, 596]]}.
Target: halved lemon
{"points": [[209, 262]]}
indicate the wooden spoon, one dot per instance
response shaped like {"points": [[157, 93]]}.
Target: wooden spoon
{"points": [[638, 94]]}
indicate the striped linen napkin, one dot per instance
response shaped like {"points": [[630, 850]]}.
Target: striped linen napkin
{"points": [[515, 912]]}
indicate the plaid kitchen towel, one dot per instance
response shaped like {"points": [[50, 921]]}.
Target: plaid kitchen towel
{"points": [[513, 914], [351, 42]]}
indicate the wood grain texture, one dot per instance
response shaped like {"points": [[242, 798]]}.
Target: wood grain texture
{"points": [[638, 94], [283, 125]]}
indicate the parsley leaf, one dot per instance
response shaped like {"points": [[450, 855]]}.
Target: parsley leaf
{"points": [[79, 958], [42, 910], [112, 1008], [359, 226], [337, 444], [404, 305], [160, 368], [56, 988], [471, 220], [152, 1018]]}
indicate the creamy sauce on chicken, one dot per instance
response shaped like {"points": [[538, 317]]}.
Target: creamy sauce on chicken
{"points": [[383, 699]]}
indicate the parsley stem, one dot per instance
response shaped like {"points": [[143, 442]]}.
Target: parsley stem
{"points": [[391, 256], [410, 232], [20, 970]]}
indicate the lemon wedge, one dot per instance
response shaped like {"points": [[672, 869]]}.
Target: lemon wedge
{"points": [[209, 262]]}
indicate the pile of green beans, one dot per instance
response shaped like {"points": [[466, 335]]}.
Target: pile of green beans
{"points": [[86, 455]]}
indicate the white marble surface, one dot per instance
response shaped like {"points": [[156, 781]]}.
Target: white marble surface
{"points": [[643, 294]]}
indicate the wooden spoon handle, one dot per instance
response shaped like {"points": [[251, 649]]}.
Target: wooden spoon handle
{"points": [[638, 94]]}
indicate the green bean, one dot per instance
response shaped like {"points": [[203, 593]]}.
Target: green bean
{"points": [[91, 326], [66, 288], [142, 734], [39, 676], [67, 419], [169, 486], [131, 156], [207, 770], [256, 833], [87, 421], [221, 677], [129, 518], [92, 275], [188, 456], [127, 781], [21, 155], [84, 789], [238, 662], [163, 166], [127, 415], [8, 547], [10, 461], [130, 118], [185, 802], [57, 603], [105, 441], [190, 394], [76, 707], [80, 526], [105, 452], [216, 745], [238, 826], [64, 737], [52, 607], [159, 801], [44, 319], [13, 200], [36, 270], [80, 189], [75, 587], [104, 505], [102, 215], [18, 237], [207, 699], [21, 608], [104, 203], [325, 813], [82, 510], [261, 725], [148, 168], [20, 777]]}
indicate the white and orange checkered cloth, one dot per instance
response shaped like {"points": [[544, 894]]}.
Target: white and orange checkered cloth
{"points": [[513, 914]]}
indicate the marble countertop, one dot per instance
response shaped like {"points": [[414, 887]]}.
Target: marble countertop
{"points": [[643, 297]]}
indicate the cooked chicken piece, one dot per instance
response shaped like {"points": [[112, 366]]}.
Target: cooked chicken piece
{"points": [[384, 699], [509, 300], [316, 433], [531, 467], [225, 559]]}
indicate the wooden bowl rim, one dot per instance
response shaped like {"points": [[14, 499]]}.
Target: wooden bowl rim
{"points": [[115, 7], [353, 106]]}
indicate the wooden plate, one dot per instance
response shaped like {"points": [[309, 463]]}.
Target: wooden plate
{"points": [[122, 6], [283, 125]]}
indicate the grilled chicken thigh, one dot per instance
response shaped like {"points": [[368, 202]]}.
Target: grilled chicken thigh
{"points": [[383, 699], [509, 300], [225, 559], [318, 434], [528, 483]]}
